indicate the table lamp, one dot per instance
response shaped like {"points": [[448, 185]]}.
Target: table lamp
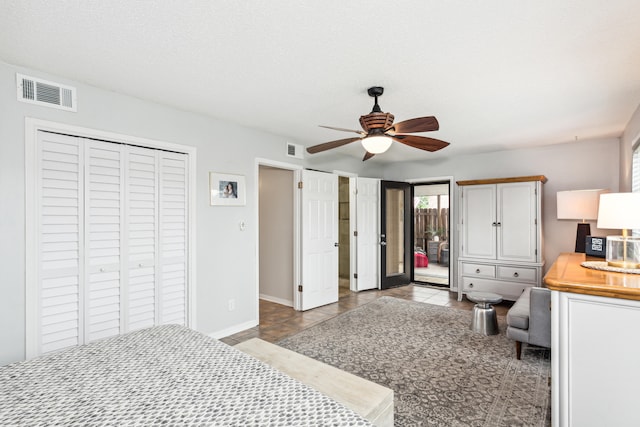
{"points": [[621, 211], [582, 205]]}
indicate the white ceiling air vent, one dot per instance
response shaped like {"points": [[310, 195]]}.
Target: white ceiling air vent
{"points": [[294, 150], [46, 93]]}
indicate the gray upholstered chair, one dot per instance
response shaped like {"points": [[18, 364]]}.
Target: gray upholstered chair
{"points": [[529, 319]]}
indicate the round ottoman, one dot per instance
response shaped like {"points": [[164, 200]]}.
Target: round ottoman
{"points": [[484, 320]]}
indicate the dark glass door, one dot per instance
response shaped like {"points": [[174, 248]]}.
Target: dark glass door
{"points": [[395, 233]]}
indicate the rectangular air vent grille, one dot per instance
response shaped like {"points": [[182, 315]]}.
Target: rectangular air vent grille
{"points": [[46, 93], [294, 150]]}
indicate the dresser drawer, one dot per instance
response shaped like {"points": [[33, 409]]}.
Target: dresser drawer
{"points": [[518, 274], [480, 270], [509, 291]]}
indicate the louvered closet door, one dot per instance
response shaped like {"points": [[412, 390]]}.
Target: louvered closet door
{"points": [[60, 256], [142, 243], [112, 238], [173, 238], [104, 202]]}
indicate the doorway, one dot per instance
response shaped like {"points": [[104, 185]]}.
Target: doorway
{"points": [[281, 273], [344, 237], [431, 235], [276, 224]]}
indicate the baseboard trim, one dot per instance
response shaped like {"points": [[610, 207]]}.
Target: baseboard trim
{"points": [[288, 303], [233, 330]]}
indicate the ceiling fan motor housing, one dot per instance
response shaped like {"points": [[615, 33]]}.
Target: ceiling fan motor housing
{"points": [[376, 121]]}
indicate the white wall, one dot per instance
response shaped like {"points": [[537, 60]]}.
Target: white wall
{"points": [[630, 137], [574, 166], [228, 148], [276, 235], [221, 147]]}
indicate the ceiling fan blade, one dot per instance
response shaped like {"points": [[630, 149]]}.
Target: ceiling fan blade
{"points": [[343, 129], [419, 124], [367, 156], [421, 142], [331, 144]]}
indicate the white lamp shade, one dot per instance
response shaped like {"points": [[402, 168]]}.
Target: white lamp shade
{"points": [[619, 211], [376, 144], [579, 204]]}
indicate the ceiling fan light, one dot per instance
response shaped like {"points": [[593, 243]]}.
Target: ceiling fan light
{"points": [[376, 144]]}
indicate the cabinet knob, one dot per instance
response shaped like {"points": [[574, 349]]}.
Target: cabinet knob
{"points": [[471, 285], [477, 270], [516, 274], [494, 224], [140, 265], [101, 269]]}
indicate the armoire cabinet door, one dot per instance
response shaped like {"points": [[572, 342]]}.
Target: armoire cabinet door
{"points": [[516, 215], [479, 221]]}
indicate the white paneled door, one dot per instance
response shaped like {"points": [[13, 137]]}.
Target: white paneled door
{"points": [[112, 240], [319, 239], [479, 221], [368, 236], [517, 216]]}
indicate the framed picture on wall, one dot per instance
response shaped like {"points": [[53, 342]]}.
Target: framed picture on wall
{"points": [[227, 190]]}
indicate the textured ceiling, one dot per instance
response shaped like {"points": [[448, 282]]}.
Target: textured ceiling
{"points": [[496, 73]]}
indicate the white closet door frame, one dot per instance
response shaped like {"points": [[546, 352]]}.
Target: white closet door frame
{"points": [[32, 127]]}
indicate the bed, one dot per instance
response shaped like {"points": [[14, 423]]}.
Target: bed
{"points": [[166, 375]]}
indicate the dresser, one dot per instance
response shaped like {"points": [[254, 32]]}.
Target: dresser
{"points": [[501, 235], [595, 357]]}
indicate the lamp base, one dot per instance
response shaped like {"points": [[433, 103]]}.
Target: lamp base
{"points": [[584, 230], [623, 264], [623, 251]]}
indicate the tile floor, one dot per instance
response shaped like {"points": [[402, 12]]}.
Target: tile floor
{"points": [[278, 321]]}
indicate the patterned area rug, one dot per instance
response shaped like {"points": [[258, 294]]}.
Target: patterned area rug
{"points": [[441, 372]]}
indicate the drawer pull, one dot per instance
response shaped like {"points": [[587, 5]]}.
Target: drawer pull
{"points": [[478, 270], [516, 274]]}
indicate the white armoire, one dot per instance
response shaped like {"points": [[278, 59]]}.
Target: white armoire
{"points": [[500, 235]]}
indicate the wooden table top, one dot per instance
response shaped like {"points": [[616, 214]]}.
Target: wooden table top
{"points": [[567, 275]]}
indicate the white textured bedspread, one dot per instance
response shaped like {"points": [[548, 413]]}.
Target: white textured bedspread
{"points": [[167, 375]]}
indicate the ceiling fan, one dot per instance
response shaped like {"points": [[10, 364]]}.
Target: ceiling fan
{"points": [[379, 132]]}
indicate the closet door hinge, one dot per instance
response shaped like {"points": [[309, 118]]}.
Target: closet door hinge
{"points": [[355, 275], [300, 184], [355, 233], [299, 288]]}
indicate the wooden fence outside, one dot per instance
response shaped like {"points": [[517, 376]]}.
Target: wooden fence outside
{"points": [[430, 222]]}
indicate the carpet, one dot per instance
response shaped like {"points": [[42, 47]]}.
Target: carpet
{"points": [[441, 372]]}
